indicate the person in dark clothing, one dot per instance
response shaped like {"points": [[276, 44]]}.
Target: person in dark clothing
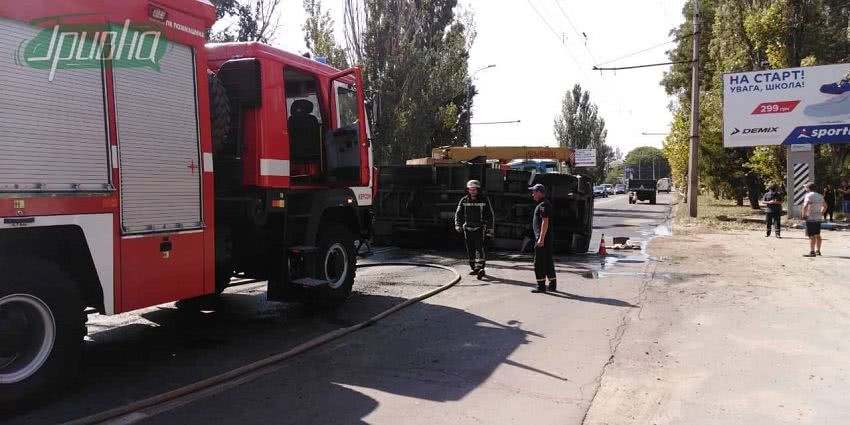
{"points": [[844, 194], [773, 199], [474, 218], [829, 197], [544, 264]]}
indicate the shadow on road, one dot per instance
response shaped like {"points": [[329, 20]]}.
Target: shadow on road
{"points": [[561, 294], [430, 353], [427, 351]]}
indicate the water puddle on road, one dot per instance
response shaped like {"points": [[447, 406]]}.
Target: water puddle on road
{"points": [[596, 267]]}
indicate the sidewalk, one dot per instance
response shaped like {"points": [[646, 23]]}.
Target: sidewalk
{"points": [[735, 328]]}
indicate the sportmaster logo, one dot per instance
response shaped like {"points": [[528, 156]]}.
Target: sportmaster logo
{"points": [[834, 133], [69, 44]]}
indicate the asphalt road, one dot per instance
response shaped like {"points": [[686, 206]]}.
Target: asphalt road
{"points": [[484, 351]]}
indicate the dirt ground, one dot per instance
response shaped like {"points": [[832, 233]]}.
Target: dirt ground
{"points": [[735, 328]]}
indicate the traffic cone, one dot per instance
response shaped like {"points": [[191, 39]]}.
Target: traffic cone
{"points": [[602, 250]]}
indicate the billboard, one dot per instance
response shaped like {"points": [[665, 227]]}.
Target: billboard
{"points": [[787, 106], [585, 157]]}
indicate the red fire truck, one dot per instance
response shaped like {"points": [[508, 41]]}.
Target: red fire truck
{"points": [[140, 166]]}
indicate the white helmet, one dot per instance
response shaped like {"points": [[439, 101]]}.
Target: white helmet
{"points": [[473, 183]]}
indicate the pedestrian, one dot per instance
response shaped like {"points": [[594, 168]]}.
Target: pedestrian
{"points": [[813, 208], [773, 199], [844, 194], [829, 196], [474, 218], [544, 264]]}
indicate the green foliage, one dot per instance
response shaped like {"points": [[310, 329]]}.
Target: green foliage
{"points": [[256, 20], [319, 35], [677, 148], [615, 174], [744, 35], [579, 126], [768, 162], [415, 57]]}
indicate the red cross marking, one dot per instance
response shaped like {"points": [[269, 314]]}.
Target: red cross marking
{"points": [[192, 166]]}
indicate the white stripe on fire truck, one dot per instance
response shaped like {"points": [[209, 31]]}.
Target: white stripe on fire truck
{"points": [[274, 167], [208, 162]]}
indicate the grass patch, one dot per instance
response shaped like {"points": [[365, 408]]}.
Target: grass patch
{"points": [[720, 214]]}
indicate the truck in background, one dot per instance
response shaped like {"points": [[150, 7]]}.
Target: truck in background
{"points": [[125, 187], [642, 190]]}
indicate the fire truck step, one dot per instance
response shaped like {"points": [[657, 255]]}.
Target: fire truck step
{"points": [[310, 282], [304, 249]]}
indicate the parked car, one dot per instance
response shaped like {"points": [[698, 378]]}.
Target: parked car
{"points": [[600, 192], [609, 188], [619, 188]]}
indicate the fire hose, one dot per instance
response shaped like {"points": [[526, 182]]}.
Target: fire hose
{"points": [[151, 406]]}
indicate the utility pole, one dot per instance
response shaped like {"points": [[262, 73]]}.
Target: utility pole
{"points": [[693, 161]]}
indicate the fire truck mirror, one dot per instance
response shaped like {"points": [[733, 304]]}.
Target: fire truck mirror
{"points": [[241, 79]]}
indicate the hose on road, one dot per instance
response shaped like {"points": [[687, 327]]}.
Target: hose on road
{"points": [[144, 409]]}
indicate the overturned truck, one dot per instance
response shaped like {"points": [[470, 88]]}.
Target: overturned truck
{"points": [[415, 205]]}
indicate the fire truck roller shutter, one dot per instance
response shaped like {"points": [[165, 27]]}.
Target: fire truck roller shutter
{"points": [[53, 132], [158, 144]]}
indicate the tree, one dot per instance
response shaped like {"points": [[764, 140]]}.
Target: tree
{"points": [[319, 35], [647, 162], [254, 20], [578, 125], [415, 56], [745, 35]]}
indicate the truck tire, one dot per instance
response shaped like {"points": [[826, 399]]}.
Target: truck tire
{"points": [[652, 200], [42, 318], [219, 111], [337, 264]]}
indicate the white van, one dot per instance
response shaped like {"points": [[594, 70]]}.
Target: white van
{"points": [[664, 185]]}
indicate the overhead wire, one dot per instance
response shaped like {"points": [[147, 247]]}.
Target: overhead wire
{"points": [[575, 30], [628, 55], [560, 40]]}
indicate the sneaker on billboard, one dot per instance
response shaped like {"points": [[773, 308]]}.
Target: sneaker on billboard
{"points": [[839, 105], [840, 87]]}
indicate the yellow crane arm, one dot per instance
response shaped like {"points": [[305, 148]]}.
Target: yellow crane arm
{"points": [[503, 153]]}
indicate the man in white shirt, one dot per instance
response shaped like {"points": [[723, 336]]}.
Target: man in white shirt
{"points": [[814, 205]]}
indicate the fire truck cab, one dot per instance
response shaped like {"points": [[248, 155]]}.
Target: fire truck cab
{"points": [[142, 166]]}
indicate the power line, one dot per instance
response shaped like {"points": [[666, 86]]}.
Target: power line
{"points": [[647, 49], [596, 68], [575, 30], [555, 33]]}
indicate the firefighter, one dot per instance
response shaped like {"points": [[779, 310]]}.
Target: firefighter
{"points": [[474, 218], [544, 264]]}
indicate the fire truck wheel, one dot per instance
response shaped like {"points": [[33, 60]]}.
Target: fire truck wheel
{"points": [[219, 111], [42, 324], [337, 264]]}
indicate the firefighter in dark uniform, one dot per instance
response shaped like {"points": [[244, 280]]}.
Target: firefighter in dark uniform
{"points": [[544, 264], [474, 218]]}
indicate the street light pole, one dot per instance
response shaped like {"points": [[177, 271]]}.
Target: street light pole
{"points": [[469, 103]]}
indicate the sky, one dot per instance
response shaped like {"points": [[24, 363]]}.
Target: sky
{"points": [[540, 53]]}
